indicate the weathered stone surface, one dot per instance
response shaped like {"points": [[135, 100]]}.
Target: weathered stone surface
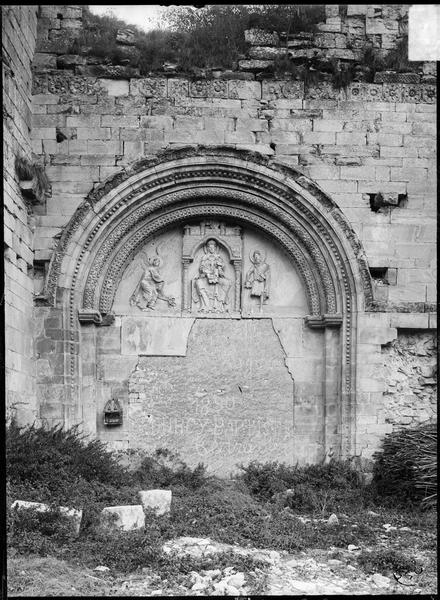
{"points": [[161, 336], [255, 65], [149, 87], [267, 52], [333, 520], [157, 500], [126, 36], [73, 515], [107, 71], [391, 77], [259, 37], [273, 90], [123, 518], [410, 368]]}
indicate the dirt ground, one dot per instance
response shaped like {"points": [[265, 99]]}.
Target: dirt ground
{"points": [[313, 572]]}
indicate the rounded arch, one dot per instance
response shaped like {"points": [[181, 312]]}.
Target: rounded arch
{"points": [[280, 200]]}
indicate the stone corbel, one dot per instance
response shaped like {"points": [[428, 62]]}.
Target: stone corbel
{"points": [[322, 321], [90, 315]]}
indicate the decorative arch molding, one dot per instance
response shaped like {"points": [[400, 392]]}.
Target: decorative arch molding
{"points": [[116, 218], [176, 176]]}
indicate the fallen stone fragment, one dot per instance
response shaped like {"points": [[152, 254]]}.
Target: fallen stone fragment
{"points": [[101, 568], [334, 562], [352, 547], [372, 513], [123, 518], [72, 514], [381, 580], [333, 520], [213, 573], [307, 587], [157, 500], [231, 590], [221, 587], [236, 580]]}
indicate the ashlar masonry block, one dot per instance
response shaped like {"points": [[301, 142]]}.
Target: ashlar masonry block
{"points": [[123, 518]]}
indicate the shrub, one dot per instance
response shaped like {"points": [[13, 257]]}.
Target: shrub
{"points": [[57, 457], [211, 36], [30, 171], [33, 532], [386, 560], [165, 469], [405, 469], [323, 488]]}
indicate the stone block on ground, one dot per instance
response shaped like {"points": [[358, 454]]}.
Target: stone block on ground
{"points": [[72, 514], [333, 520], [158, 500], [123, 518]]}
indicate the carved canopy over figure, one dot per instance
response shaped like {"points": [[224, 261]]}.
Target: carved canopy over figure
{"points": [[258, 278], [211, 287], [150, 287]]}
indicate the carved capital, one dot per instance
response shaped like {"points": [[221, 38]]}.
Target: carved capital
{"points": [[89, 315], [322, 321]]}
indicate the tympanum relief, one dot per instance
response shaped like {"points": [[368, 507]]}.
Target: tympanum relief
{"points": [[211, 269], [150, 288], [211, 286], [258, 278]]}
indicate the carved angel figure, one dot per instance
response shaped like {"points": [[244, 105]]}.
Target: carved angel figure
{"points": [[258, 277], [150, 288], [211, 287]]}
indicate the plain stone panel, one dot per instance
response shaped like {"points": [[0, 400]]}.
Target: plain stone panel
{"points": [[115, 87], [123, 518], [222, 412], [72, 514], [161, 336]]}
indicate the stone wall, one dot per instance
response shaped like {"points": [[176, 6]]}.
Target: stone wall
{"points": [[357, 143], [19, 26], [370, 146], [411, 376]]}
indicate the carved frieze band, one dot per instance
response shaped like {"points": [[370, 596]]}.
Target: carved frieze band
{"points": [[66, 84]]}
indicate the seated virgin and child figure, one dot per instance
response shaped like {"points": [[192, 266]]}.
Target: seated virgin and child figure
{"points": [[211, 287]]}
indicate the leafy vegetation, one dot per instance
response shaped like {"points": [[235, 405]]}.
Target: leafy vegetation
{"points": [[29, 171], [208, 37], [316, 488], [194, 40], [386, 561], [62, 467]]}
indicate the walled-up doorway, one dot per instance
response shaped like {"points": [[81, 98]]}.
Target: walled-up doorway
{"points": [[213, 295]]}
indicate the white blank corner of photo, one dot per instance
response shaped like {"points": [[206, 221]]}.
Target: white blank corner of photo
{"points": [[424, 32]]}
